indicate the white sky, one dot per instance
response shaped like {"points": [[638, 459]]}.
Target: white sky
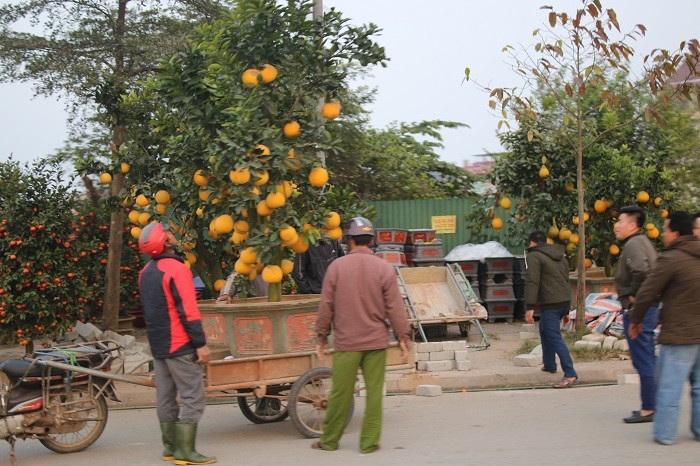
{"points": [[429, 43]]}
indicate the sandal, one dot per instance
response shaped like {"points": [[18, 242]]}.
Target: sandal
{"points": [[565, 382], [544, 369]]}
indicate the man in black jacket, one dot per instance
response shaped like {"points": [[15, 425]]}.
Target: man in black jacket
{"points": [[547, 285], [310, 267]]}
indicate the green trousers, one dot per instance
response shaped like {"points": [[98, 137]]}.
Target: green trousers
{"points": [[345, 366]]}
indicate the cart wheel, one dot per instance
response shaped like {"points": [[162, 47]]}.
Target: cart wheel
{"points": [[308, 401], [464, 328], [265, 410]]}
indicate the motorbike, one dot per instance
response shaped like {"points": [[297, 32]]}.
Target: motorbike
{"points": [[58, 395]]}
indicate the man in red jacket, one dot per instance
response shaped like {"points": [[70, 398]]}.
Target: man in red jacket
{"points": [[178, 345], [359, 294]]}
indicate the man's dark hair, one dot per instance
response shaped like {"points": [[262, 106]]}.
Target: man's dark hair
{"points": [[696, 215], [362, 240], [637, 212], [680, 222], [538, 237]]}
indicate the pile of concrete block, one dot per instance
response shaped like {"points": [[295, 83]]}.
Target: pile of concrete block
{"points": [[598, 340], [442, 356]]}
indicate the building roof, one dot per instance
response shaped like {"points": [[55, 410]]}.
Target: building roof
{"points": [[684, 76], [478, 168]]}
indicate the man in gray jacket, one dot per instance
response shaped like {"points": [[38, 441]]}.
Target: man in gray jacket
{"points": [[675, 280], [547, 285], [633, 267]]}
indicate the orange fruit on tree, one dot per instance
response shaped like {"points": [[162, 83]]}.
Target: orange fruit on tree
{"points": [[242, 268], [144, 218], [239, 176], [260, 177], [250, 77], [249, 256], [544, 172], [588, 263], [262, 209], [653, 234], [191, 258], [643, 197], [614, 249], [575, 220], [496, 223], [599, 206], [550, 241], [134, 216], [586, 216], [241, 226], [650, 226], [292, 162], [300, 246], [142, 201], [268, 73], [565, 234], [105, 178], [261, 150], [663, 213], [505, 202], [570, 247], [292, 129], [223, 224], [238, 237], [275, 200], [124, 167], [285, 187], [658, 201], [335, 233], [574, 238], [318, 177], [204, 195], [161, 209], [219, 284], [331, 110], [288, 234], [135, 232], [272, 274], [199, 211], [199, 178], [254, 191], [333, 220], [287, 266], [569, 187], [162, 197]]}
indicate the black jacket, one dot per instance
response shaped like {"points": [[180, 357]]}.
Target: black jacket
{"points": [[547, 276], [310, 267]]}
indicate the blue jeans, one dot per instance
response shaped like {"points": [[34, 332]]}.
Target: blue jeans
{"points": [[677, 363], [643, 355], [552, 341]]}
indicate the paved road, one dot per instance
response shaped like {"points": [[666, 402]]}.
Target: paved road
{"points": [[579, 426]]}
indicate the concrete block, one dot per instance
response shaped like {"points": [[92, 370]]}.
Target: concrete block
{"points": [[71, 336], [421, 365], [527, 360], [428, 347], [529, 328], [462, 355], [114, 336], [438, 366], [137, 365], [442, 355], [422, 357], [454, 345], [594, 344], [537, 350], [529, 335], [428, 390], [129, 341], [463, 365], [628, 379], [598, 337], [88, 332], [609, 342], [622, 345], [581, 344]]}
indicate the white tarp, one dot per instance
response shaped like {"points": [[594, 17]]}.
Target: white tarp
{"points": [[470, 251]]}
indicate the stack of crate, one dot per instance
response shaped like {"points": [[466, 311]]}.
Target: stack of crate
{"points": [[497, 293], [471, 272], [423, 249]]}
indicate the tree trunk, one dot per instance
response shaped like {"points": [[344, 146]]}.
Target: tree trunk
{"points": [[581, 250], [110, 311]]}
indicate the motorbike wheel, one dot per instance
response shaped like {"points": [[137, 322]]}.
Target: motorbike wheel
{"points": [[84, 418]]}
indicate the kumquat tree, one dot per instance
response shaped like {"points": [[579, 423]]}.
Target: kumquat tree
{"points": [[242, 118]]}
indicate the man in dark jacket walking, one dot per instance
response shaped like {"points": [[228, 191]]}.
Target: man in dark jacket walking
{"points": [[674, 280], [547, 285], [178, 345], [310, 267], [633, 267]]}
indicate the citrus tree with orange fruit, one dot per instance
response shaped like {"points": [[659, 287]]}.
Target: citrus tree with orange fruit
{"points": [[242, 135]]}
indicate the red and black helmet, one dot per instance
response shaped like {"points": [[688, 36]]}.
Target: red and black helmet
{"points": [[358, 226], [153, 237]]}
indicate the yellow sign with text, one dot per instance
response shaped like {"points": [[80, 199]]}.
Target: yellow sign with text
{"points": [[443, 224]]}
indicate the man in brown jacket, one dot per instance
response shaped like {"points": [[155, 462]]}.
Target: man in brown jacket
{"points": [[675, 280], [359, 294]]}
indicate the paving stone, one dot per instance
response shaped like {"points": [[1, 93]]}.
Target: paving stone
{"points": [[454, 345], [622, 345], [529, 335], [526, 360], [428, 347], [428, 390], [609, 342], [438, 366], [442, 355], [463, 365], [462, 355], [597, 337], [628, 379], [529, 328]]}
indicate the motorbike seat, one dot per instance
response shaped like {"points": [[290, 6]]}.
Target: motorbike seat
{"points": [[17, 368]]}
